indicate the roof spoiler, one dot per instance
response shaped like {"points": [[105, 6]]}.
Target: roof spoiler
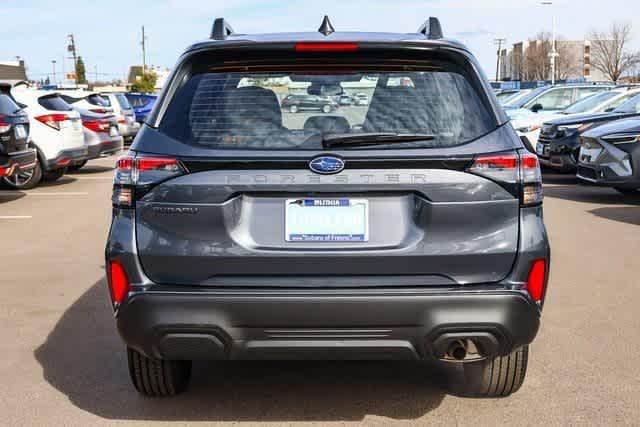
{"points": [[431, 28], [220, 29]]}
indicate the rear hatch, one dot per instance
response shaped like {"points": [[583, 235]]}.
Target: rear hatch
{"points": [[59, 115], [14, 125], [418, 187]]}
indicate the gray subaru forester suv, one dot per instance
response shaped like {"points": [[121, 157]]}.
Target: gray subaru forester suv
{"points": [[409, 228]]}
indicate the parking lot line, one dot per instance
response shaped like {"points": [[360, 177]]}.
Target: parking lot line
{"points": [[16, 216], [43, 193]]}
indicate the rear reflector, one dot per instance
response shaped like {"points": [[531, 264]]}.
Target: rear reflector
{"points": [[326, 47], [118, 282], [3, 171], [63, 162], [536, 281]]}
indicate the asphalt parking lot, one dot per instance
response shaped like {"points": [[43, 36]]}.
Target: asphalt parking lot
{"points": [[62, 362]]}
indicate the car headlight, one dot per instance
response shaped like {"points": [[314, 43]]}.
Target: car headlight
{"points": [[622, 138]]}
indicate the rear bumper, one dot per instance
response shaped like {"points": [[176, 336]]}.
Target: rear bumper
{"points": [[105, 148], [11, 163], [317, 324], [66, 158], [128, 129]]}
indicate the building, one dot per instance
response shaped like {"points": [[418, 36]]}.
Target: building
{"points": [[529, 61], [13, 71]]}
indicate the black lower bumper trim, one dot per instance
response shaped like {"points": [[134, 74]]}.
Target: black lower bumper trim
{"points": [[105, 148], [24, 160], [356, 325], [67, 157]]}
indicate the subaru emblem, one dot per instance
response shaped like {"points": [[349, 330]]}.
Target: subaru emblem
{"points": [[326, 165]]}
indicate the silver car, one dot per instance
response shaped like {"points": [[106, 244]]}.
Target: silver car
{"points": [[125, 115]]}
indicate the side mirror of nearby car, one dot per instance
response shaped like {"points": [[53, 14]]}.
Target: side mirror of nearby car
{"points": [[608, 110], [536, 108], [21, 105]]}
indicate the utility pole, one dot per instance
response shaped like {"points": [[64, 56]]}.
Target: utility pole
{"points": [[553, 54], [499, 43], [144, 52], [72, 48]]}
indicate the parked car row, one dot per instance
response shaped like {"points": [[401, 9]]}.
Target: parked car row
{"points": [[45, 133], [597, 137]]}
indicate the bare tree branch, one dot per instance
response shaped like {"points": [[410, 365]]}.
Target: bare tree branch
{"points": [[609, 52]]}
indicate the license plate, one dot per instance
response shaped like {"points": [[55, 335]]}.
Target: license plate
{"points": [[327, 220], [21, 132], [113, 131]]}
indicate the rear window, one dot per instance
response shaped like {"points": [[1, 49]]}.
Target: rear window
{"points": [[122, 100], [54, 103], [7, 105], [591, 102], [137, 100], [101, 101], [295, 110]]}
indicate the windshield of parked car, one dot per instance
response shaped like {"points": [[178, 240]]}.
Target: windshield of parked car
{"points": [[631, 106], [54, 103], [589, 103], [296, 111], [7, 105], [520, 101]]}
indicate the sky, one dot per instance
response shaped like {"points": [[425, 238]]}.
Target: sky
{"points": [[108, 32]]}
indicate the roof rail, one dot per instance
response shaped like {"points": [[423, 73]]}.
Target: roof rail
{"points": [[221, 29], [431, 28]]}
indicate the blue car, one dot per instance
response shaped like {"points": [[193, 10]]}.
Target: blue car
{"points": [[142, 104]]}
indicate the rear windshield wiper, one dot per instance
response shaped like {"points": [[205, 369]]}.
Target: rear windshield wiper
{"points": [[372, 138]]}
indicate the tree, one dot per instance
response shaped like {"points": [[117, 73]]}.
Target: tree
{"points": [[537, 64], [145, 83], [610, 52], [81, 73]]}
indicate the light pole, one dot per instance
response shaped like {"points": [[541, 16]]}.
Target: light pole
{"points": [[53, 62], [553, 54], [499, 42]]}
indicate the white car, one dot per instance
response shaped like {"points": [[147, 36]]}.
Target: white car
{"points": [[125, 115], [529, 123], [55, 131], [86, 102]]}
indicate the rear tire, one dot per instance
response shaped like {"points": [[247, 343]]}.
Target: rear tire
{"points": [[500, 376], [156, 377], [54, 175], [25, 180], [627, 191]]}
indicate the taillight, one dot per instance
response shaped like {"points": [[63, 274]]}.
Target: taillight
{"points": [[53, 120], [99, 110], [519, 173], [537, 279], [326, 47], [502, 167], [134, 175], [122, 120], [118, 282], [531, 179], [97, 125], [4, 127]]}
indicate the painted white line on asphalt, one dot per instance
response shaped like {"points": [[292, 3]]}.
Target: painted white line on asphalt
{"points": [[15, 217], [43, 193]]}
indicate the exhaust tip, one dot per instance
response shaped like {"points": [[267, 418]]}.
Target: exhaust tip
{"points": [[457, 350]]}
